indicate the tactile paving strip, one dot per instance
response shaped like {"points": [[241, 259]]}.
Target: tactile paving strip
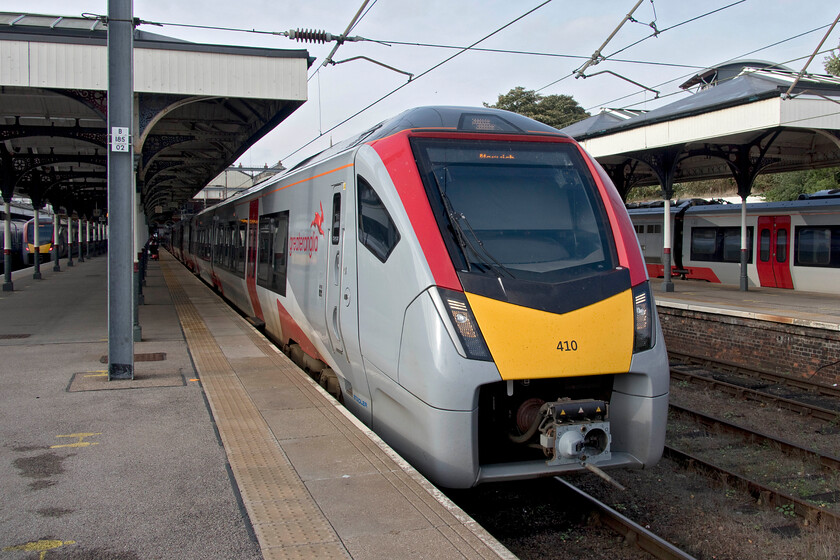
{"points": [[273, 499], [468, 537], [287, 522]]}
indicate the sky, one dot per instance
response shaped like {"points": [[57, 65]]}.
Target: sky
{"points": [[565, 27]]}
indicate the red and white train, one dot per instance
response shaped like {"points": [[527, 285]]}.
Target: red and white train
{"points": [[468, 281], [798, 242]]}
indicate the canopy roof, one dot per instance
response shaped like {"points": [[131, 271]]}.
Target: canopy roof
{"points": [[198, 107]]}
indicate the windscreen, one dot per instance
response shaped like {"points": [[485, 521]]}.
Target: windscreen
{"points": [[521, 210]]}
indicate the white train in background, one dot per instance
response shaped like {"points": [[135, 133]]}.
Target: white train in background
{"points": [[793, 245]]}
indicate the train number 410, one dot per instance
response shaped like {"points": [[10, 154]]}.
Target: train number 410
{"points": [[567, 345]]}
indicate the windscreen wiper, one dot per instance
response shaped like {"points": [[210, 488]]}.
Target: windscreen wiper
{"points": [[454, 219], [488, 257]]}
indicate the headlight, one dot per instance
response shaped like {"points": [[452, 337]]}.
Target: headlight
{"points": [[466, 327], [643, 318]]}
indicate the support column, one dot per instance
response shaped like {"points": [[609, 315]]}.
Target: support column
{"points": [[8, 285], [69, 240], [745, 255], [81, 247], [36, 241], [57, 240], [664, 164], [667, 285], [87, 238], [138, 267], [120, 190], [746, 162]]}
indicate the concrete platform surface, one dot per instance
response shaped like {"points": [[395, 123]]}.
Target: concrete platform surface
{"points": [[220, 447], [805, 309]]}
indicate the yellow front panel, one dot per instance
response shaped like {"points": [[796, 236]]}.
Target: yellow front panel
{"points": [[41, 248], [531, 344]]}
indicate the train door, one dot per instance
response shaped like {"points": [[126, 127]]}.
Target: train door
{"points": [[334, 268], [251, 257], [773, 262], [341, 309]]}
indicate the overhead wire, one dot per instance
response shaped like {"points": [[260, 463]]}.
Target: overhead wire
{"points": [[528, 53], [431, 69], [659, 32], [358, 21], [656, 33], [684, 76], [726, 79]]}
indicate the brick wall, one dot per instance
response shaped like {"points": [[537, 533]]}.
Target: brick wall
{"points": [[802, 352]]}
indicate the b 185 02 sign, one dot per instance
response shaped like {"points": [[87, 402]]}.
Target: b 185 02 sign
{"points": [[119, 139]]}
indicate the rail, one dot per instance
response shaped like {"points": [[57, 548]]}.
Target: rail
{"points": [[813, 514], [731, 367], [760, 396], [631, 531], [827, 461]]}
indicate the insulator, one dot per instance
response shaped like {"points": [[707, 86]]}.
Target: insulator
{"points": [[310, 35]]}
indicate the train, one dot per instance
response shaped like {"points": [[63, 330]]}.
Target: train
{"points": [[16, 237], [798, 244], [46, 245], [467, 281]]}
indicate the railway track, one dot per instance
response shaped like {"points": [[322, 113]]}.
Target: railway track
{"points": [[816, 513], [766, 495], [740, 391], [630, 530], [726, 367], [773, 497], [826, 461]]}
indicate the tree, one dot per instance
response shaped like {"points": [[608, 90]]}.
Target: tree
{"points": [[832, 63], [554, 110], [788, 186]]}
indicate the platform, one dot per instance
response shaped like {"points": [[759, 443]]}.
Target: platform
{"points": [[796, 334], [804, 309], [220, 447]]}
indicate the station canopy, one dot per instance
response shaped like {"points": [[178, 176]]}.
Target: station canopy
{"points": [[738, 121], [197, 108]]}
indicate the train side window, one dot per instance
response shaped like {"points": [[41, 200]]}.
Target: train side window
{"points": [[377, 230], [230, 228], [764, 246], [240, 249], [719, 244], [219, 247], [732, 244], [703, 244], [273, 243], [281, 252], [781, 246], [813, 246]]}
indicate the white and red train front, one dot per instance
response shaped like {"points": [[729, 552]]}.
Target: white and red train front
{"points": [[473, 279]]}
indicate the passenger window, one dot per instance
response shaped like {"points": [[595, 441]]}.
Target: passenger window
{"points": [[703, 244], [781, 246], [377, 230], [240, 249], [273, 243], [764, 246], [336, 219], [813, 246]]}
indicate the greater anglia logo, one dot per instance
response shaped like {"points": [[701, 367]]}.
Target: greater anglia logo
{"points": [[307, 242], [319, 220]]}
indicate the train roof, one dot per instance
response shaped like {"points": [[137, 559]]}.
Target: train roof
{"points": [[828, 201], [445, 118]]}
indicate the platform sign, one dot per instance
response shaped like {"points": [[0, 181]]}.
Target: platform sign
{"points": [[119, 139]]}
